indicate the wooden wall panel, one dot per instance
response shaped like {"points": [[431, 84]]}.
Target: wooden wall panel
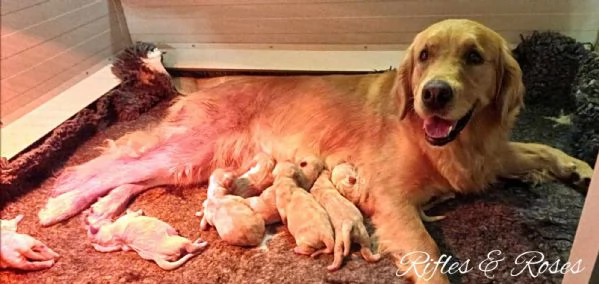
{"points": [[47, 43], [367, 22]]}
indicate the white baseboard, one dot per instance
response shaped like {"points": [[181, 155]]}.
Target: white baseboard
{"points": [[24, 131], [286, 60]]}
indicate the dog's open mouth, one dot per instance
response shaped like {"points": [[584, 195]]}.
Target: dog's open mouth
{"points": [[440, 131]]}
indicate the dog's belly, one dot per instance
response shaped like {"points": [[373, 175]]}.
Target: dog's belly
{"points": [[289, 120], [283, 117]]}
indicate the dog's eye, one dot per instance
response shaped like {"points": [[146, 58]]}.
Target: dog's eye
{"points": [[473, 57], [423, 55]]}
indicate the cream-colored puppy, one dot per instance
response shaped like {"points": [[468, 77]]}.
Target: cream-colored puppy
{"points": [[306, 220], [346, 218], [150, 237], [234, 220]]}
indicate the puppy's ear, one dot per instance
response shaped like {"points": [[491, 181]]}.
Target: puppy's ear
{"points": [[509, 95], [403, 84]]}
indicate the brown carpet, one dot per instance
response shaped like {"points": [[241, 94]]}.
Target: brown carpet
{"points": [[512, 219]]}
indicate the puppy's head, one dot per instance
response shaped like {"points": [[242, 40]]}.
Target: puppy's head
{"points": [[286, 169], [456, 71], [310, 167]]}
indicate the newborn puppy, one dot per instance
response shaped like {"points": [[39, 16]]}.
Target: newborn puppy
{"points": [[265, 204], [311, 167], [150, 237], [345, 179], [257, 178], [234, 220], [346, 218], [306, 220], [22, 251]]}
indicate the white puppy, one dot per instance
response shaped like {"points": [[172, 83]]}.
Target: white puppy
{"points": [[150, 237]]}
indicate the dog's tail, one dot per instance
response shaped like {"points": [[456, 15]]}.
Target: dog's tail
{"points": [[141, 63], [144, 81]]}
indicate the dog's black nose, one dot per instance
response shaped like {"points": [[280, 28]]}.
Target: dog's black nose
{"points": [[436, 94]]}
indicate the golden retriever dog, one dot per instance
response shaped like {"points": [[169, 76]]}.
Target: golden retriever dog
{"points": [[439, 123]]}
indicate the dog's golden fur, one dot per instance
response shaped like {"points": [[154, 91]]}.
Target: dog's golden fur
{"points": [[373, 121]]}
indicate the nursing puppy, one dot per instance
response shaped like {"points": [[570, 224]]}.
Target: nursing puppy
{"points": [[440, 123], [346, 219], [256, 179], [306, 219], [345, 179], [231, 215]]}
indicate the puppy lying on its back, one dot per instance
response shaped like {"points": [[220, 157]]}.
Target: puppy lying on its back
{"points": [[150, 237]]}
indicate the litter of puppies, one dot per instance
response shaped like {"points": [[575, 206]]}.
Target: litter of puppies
{"points": [[301, 196]]}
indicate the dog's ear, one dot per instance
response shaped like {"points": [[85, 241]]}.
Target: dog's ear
{"points": [[403, 84], [509, 95]]}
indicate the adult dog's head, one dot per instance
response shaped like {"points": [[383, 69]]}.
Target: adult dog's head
{"points": [[457, 72]]}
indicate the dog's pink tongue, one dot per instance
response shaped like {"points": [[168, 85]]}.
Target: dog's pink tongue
{"points": [[436, 127]]}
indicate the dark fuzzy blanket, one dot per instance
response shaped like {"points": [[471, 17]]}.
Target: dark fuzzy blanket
{"points": [[562, 78], [511, 218]]}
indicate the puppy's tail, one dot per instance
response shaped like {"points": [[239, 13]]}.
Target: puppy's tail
{"points": [[192, 249], [172, 265]]}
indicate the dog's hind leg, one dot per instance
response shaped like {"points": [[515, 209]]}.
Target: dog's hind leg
{"points": [[167, 162], [182, 149], [116, 201]]}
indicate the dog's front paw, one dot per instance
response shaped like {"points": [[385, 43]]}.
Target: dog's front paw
{"points": [[578, 173]]}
